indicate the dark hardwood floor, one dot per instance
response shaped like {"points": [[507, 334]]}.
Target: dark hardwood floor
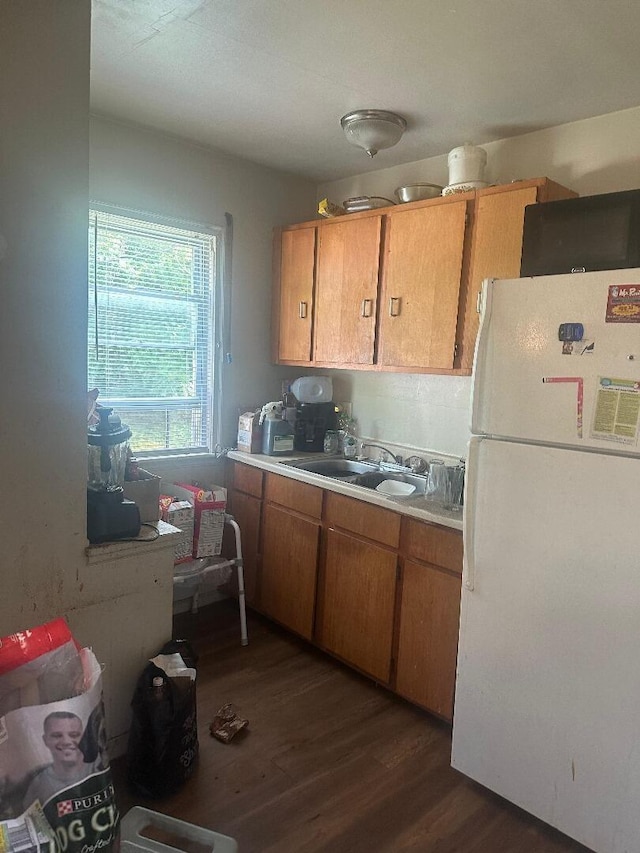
{"points": [[330, 763]]}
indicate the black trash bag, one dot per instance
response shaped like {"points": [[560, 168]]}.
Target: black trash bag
{"points": [[163, 740]]}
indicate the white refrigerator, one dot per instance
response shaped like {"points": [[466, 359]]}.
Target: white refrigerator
{"points": [[547, 709]]}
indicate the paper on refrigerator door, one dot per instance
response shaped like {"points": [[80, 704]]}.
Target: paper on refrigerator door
{"points": [[616, 414]]}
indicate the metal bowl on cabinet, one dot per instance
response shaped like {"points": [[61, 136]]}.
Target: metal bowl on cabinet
{"points": [[418, 192]]}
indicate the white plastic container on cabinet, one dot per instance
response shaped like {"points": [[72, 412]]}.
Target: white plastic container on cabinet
{"points": [[466, 164], [313, 389]]}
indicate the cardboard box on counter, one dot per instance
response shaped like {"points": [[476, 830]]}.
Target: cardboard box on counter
{"points": [[145, 491], [249, 433], [209, 507], [181, 514]]}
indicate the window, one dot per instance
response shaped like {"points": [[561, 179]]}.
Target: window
{"points": [[151, 327]]}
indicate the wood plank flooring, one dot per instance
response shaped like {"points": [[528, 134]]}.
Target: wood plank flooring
{"points": [[330, 762]]}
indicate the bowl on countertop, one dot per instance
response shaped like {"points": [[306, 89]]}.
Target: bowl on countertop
{"points": [[418, 192]]}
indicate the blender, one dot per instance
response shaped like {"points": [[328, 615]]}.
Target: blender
{"points": [[108, 449], [109, 515]]}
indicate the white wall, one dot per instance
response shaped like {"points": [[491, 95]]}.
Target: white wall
{"points": [[139, 169], [592, 156], [44, 197], [44, 102]]}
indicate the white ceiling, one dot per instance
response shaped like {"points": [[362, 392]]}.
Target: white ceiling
{"points": [[268, 80]]}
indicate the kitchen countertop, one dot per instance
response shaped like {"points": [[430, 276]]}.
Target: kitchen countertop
{"points": [[417, 507], [155, 536]]}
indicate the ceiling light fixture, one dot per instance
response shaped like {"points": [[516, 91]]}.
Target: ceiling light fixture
{"points": [[373, 129]]}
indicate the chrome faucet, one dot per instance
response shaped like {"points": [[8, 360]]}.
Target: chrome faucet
{"points": [[397, 459]]}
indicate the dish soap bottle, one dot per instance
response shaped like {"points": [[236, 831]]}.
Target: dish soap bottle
{"points": [[277, 433]]}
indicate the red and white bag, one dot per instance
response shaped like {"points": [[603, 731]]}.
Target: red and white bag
{"points": [[56, 790]]}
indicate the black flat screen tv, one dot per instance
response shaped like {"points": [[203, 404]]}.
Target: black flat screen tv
{"points": [[598, 232]]}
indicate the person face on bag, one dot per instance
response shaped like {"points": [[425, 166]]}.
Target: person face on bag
{"points": [[62, 733]]}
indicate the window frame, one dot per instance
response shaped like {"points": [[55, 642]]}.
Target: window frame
{"points": [[214, 331]]}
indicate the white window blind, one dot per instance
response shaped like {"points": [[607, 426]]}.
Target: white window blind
{"points": [[150, 306]]}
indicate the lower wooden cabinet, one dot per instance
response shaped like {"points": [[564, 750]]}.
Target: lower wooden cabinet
{"points": [[289, 568], [290, 544], [379, 590], [246, 510], [427, 633], [356, 603], [244, 501], [428, 637]]}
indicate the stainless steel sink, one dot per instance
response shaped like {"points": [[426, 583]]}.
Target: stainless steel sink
{"points": [[337, 469], [369, 475]]}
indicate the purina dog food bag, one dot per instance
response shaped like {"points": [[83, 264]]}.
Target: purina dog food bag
{"points": [[56, 790]]}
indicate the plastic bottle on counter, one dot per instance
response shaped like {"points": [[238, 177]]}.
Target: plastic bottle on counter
{"points": [[350, 442], [330, 444], [277, 433]]}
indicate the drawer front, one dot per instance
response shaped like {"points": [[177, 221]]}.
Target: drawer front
{"points": [[300, 497], [372, 522], [247, 479], [439, 546]]}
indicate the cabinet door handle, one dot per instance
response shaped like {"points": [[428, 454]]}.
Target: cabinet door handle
{"points": [[365, 308], [394, 306], [302, 310]]}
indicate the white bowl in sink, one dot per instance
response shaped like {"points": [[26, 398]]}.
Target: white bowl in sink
{"points": [[395, 488]]}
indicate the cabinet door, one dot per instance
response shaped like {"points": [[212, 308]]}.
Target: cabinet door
{"points": [[289, 568], [346, 291], [296, 294], [496, 247], [422, 268], [428, 638], [358, 597], [246, 511]]}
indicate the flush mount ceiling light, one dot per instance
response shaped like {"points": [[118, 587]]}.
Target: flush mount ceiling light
{"points": [[373, 129]]}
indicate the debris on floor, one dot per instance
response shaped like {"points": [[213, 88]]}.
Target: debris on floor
{"points": [[226, 724]]}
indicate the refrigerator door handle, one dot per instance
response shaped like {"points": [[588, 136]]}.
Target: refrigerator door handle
{"points": [[480, 353], [468, 521]]}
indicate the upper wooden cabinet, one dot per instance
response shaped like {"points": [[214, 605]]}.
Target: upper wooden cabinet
{"points": [[421, 286], [347, 290], [295, 254], [397, 288], [496, 246]]}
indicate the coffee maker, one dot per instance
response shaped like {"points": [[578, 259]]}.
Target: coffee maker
{"points": [[312, 421]]}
